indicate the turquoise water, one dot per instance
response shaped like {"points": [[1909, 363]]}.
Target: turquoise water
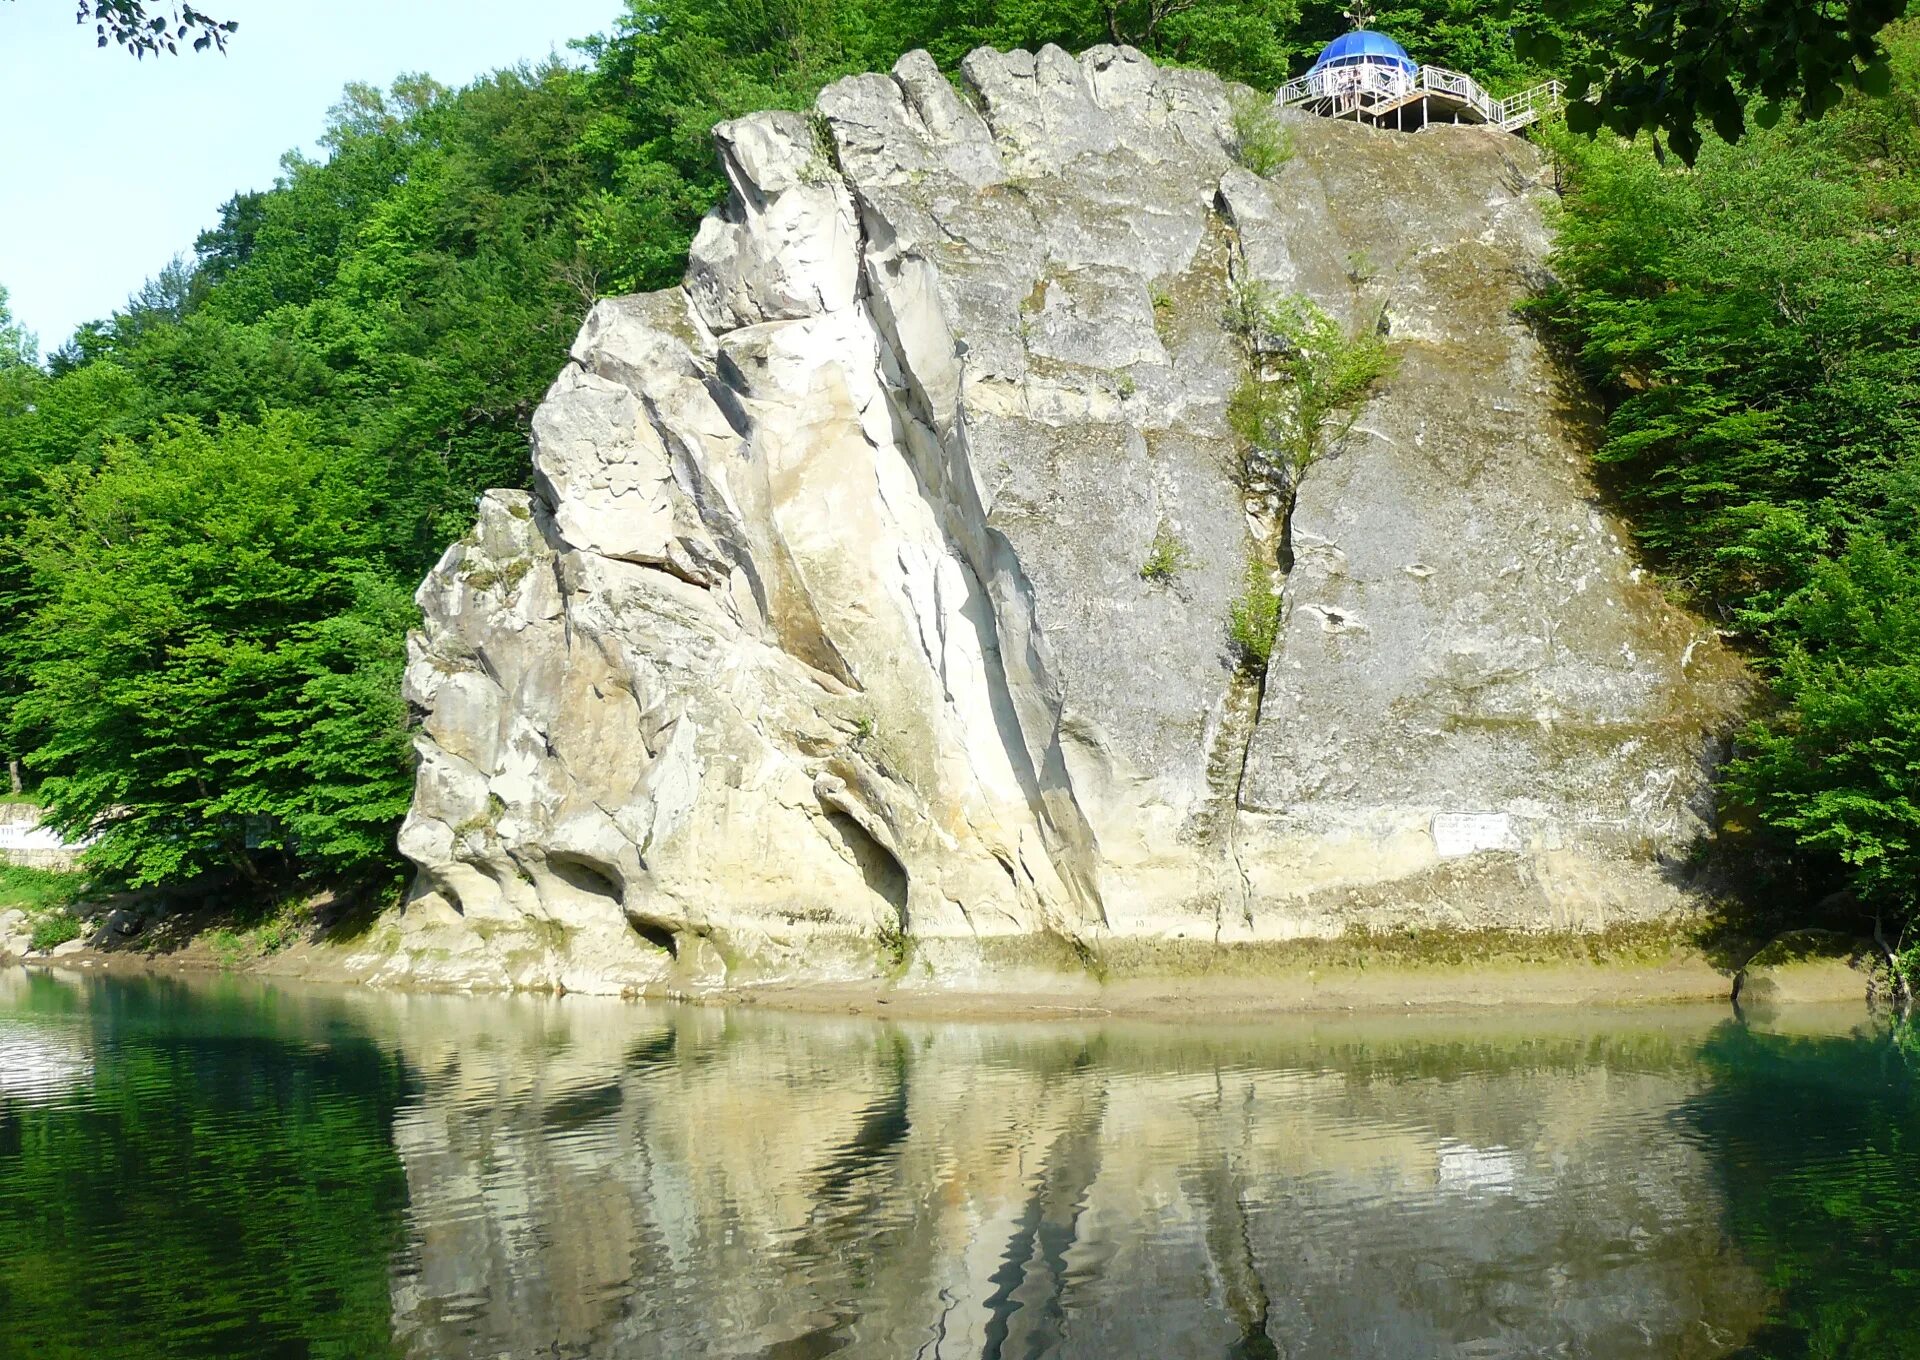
{"points": [[236, 1170]]}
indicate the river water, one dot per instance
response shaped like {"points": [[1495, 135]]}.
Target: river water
{"points": [[231, 1169]]}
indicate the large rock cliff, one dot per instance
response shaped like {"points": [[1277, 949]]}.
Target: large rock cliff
{"points": [[823, 648]]}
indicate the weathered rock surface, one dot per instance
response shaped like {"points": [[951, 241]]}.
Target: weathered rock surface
{"points": [[16, 934], [822, 647]]}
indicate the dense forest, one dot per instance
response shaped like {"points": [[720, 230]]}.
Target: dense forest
{"points": [[215, 503]]}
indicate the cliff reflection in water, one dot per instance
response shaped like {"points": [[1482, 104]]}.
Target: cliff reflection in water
{"points": [[230, 1170], [610, 1181]]}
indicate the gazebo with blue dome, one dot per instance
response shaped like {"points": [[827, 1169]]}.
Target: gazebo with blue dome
{"points": [[1365, 48], [1369, 78]]}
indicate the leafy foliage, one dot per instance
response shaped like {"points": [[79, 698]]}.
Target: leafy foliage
{"points": [[18, 348], [145, 28], [37, 890], [1167, 557], [1253, 618], [1755, 323], [1261, 142], [1305, 383], [1297, 402], [1840, 768], [53, 928], [216, 655], [1667, 67]]}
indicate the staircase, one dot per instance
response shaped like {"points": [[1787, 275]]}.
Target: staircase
{"points": [[1529, 106]]}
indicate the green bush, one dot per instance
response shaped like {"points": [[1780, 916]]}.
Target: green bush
{"points": [[1754, 325], [1305, 384], [1253, 620], [895, 946], [217, 654], [1261, 142], [37, 890], [55, 928]]}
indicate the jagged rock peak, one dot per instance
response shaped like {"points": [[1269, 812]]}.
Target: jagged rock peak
{"points": [[825, 645]]}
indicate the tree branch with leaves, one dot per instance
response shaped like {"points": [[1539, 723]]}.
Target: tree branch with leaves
{"points": [[145, 28]]}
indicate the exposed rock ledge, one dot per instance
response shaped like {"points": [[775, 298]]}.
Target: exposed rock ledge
{"points": [[823, 649]]}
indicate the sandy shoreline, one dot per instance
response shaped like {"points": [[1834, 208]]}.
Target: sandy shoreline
{"points": [[1229, 986]]}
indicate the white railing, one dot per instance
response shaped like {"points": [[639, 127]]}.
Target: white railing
{"points": [[1346, 82], [1529, 105], [1367, 85]]}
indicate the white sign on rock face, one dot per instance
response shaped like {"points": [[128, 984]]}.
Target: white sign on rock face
{"points": [[1468, 833]]}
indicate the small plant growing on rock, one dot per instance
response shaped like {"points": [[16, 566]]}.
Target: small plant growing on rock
{"points": [[1253, 620], [1162, 299], [895, 946], [1261, 142], [1305, 383], [1127, 387], [228, 948], [1166, 558], [823, 166], [1249, 313], [283, 928], [508, 575]]}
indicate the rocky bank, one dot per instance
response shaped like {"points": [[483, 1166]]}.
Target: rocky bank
{"points": [[822, 649]]}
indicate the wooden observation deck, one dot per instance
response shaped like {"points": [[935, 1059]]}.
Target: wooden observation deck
{"points": [[1384, 95]]}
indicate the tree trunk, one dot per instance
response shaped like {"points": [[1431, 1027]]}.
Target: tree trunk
{"points": [[13, 777]]}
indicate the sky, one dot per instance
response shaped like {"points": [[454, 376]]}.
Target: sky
{"points": [[109, 167]]}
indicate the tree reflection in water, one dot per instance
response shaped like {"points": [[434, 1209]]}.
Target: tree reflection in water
{"points": [[1815, 1144], [219, 1181]]}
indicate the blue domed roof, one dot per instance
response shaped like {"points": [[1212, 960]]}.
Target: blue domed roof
{"points": [[1364, 45]]}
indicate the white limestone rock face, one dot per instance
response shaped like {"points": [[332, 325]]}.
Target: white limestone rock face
{"points": [[821, 649]]}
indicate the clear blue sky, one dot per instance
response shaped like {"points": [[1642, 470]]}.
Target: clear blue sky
{"points": [[110, 166]]}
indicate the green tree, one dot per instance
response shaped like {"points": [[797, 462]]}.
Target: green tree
{"points": [[1305, 384], [19, 385], [1666, 68], [18, 348], [216, 657], [1755, 325], [1839, 768]]}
